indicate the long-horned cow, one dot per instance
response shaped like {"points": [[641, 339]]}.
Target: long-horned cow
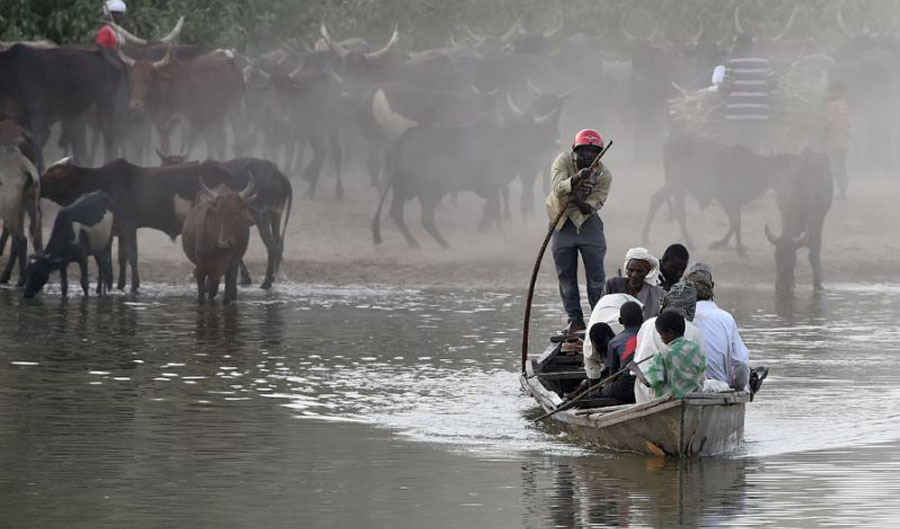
{"points": [[202, 91], [215, 236]]}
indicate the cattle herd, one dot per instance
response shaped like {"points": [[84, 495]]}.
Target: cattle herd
{"points": [[474, 115]]}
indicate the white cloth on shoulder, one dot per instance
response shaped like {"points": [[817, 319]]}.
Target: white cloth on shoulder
{"points": [[649, 343], [605, 311]]}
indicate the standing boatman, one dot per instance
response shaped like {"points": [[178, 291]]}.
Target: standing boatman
{"points": [[582, 192], [108, 37]]}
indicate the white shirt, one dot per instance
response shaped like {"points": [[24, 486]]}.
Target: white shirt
{"points": [[649, 343], [722, 342], [605, 311]]}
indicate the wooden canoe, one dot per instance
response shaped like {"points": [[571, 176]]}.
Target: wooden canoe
{"points": [[700, 424]]}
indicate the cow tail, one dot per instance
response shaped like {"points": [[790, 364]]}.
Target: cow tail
{"points": [[287, 215], [376, 222]]}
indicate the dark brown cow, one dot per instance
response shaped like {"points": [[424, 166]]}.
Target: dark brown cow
{"points": [[201, 91], [215, 236]]}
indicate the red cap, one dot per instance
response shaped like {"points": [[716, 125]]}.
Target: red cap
{"points": [[588, 137]]}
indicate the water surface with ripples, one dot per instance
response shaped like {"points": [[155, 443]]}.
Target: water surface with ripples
{"points": [[319, 406]]}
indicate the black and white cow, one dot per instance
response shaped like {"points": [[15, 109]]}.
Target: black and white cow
{"points": [[80, 230]]}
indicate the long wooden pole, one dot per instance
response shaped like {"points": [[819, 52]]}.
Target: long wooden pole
{"points": [[571, 402], [537, 267]]}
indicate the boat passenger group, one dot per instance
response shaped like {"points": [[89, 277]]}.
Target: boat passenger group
{"points": [[659, 321]]}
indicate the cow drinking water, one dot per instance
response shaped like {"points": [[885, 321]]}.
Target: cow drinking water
{"points": [[215, 236], [81, 230]]}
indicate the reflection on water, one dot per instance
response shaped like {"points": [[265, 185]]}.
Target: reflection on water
{"points": [[361, 406]]}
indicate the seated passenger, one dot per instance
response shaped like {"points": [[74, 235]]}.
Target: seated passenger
{"points": [[727, 358], [642, 271], [620, 351], [605, 311], [678, 368], [672, 265], [681, 298]]}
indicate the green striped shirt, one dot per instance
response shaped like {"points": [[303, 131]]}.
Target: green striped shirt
{"points": [[679, 369]]}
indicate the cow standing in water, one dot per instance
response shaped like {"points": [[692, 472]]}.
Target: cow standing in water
{"points": [[19, 183], [215, 236], [81, 230]]}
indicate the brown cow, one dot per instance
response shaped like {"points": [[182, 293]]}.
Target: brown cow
{"points": [[215, 236], [200, 91]]}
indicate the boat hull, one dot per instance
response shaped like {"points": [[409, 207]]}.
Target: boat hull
{"points": [[700, 424]]}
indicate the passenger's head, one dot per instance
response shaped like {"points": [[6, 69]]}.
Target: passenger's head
{"points": [[699, 275], [639, 264], [670, 326], [674, 261], [600, 334], [115, 10], [631, 314], [681, 298]]}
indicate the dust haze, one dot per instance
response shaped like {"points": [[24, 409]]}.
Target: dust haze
{"points": [[603, 85]]}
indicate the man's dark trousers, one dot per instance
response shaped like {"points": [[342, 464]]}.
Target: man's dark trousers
{"points": [[591, 242]]}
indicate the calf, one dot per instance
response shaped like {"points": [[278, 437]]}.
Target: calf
{"points": [[215, 236], [19, 183], [81, 230]]}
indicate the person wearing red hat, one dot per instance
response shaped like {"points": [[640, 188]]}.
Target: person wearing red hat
{"points": [[582, 192]]}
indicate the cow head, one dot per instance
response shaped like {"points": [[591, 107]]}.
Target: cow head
{"points": [[58, 184], [361, 64], [143, 76], [37, 273], [786, 257], [229, 212]]}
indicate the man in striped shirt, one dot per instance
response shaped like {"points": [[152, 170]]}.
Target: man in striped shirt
{"points": [[747, 87]]}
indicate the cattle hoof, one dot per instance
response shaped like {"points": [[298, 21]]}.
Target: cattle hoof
{"points": [[339, 195], [742, 252], [246, 280], [266, 285]]}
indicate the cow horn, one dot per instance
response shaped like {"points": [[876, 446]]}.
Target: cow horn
{"points": [[787, 26], [247, 192], [772, 239], [515, 28], [737, 19], [124, 58], [695, 38], [377, 54], [801, 239], [540, 120], [513, 108], [452, 41], [557, 27], [159, 153], [566, 95], [843, 25], [534, 89], [335, 47], [293, 75], [63, 161], [165, 60], [131, 39], [625, 32], [175, 33], [206, 190]]}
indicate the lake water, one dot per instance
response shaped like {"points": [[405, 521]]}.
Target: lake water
{"points": [[317, 406]]}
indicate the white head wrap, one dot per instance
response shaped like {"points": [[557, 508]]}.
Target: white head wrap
{"points": [[114, 6], [642, 254]]}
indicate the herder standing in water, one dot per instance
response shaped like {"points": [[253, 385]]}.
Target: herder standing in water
{"points": [[582, 192]]}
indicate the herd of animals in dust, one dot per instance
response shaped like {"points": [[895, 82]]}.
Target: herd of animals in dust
{"points": [[475, 115]]}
